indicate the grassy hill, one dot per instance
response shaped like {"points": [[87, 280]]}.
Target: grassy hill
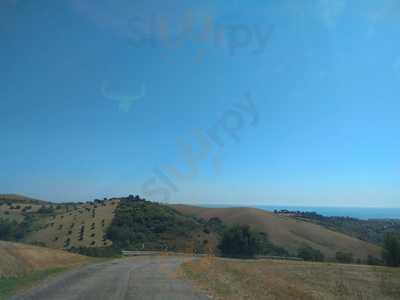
{"points": [[21, 265], [20, 259], [287, 232]]}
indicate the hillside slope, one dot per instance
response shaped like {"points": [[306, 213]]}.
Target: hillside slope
{"points": [[80, 225], [20, 259], [287, 232]]}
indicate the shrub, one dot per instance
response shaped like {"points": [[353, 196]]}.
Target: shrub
{"points": [[45, 210], [8, 230], [391, 252], [344, 257], [238, 241], [97, 251], [310, 254], [214, 225], [372, 260]]}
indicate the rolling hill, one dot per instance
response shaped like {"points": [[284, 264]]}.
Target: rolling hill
{"points": [[83, 225], [287, 232]]}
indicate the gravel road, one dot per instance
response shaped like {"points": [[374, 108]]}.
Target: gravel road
{"points": [[132, 278]]}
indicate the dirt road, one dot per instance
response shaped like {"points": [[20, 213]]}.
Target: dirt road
{"points": [[133, 278]]}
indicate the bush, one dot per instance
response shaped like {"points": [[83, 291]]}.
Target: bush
{"points": [[374, 261], [344, 257], [13, 231], [266, 247], [97, 251], [310, 254], [46, 210], [8, 230], [391, 252], [238, 241], [214, 225]]}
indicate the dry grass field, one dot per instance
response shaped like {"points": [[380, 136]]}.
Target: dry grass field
{"points": [[78, 226], [288, 232], [20, 259], [227, 279]]}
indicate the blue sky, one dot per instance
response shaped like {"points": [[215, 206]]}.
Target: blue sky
{"points": [[98, 97]]}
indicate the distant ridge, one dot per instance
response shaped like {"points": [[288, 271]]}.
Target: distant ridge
{"points": [[21, 199]]}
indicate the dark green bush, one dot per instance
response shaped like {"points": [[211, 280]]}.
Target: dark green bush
{"points": [[344, 257], [97, 251], [310, 254], [391, 252], [238, 241]]}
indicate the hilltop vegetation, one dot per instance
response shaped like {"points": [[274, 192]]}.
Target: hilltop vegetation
{"points": [[142, 225]]}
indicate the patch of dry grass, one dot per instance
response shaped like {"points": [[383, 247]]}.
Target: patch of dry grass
{"points": [[20, 259], [270, 279]]}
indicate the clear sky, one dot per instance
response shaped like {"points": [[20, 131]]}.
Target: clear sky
{"points": [[228, 102]]}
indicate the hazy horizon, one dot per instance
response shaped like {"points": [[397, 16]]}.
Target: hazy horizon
{"points": [[257, 102]]}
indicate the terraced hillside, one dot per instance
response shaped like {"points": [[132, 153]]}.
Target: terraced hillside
{"points": [[78, 226]]}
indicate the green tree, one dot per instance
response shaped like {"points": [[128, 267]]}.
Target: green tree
{"points": [[344, 257], [238, 241], [391, 252], [310, 254]]}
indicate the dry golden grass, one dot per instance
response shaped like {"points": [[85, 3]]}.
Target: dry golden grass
{"points": [[288, 232], [20, 259], [270, 279]]}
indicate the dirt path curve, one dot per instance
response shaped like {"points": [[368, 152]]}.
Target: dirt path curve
{"points": [[134, 278]]}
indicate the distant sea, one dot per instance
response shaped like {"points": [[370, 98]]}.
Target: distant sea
{"points": [[363, 213], [354, 212]]}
